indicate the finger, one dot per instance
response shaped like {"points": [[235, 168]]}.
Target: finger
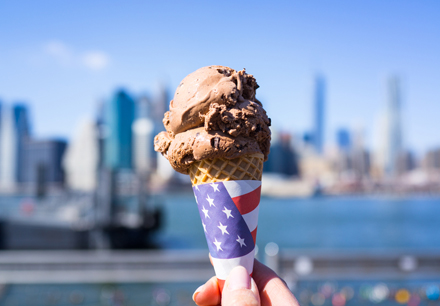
{"points": [[262, 274], [240, 289], [208, 294], [273, 290]]}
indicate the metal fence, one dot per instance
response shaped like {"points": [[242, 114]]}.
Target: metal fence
{"points": [[193, 265]]}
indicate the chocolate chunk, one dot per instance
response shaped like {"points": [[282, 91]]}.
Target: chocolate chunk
{"points": [[215, 142]]}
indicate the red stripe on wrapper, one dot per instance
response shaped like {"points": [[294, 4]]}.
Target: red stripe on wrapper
{"points": [[248, 202], [254, 235], [221, 284]]}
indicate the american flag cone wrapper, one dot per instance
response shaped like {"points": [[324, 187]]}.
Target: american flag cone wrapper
{"points": [[229, 214], [228, 209]]}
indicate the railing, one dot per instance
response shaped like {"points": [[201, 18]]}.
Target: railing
{"points": [[193, 265], [353, 264]]}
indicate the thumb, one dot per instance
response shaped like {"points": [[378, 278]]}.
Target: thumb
{"points": [[240, 289]]}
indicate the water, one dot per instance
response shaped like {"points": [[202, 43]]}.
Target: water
{"points": [[320, 223], [317, 223]]}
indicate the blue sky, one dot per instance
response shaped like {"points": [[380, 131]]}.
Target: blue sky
{"points": [[62, 57]]}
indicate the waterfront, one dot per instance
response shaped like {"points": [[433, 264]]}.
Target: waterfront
{"points": [[315, 225]]}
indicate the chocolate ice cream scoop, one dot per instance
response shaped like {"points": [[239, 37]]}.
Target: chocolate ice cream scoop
{"points": [[214, 113]]}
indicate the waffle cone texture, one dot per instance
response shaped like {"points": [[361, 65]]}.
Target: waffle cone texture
{"points": [[247, 167]]}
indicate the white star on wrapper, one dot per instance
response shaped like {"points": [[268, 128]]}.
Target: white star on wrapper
{"points": [[211, 201], [204, 226], [215, 186], [196, 187], [205, 211], [227, 212], [218, 244], [241, 241], [223, 228]]}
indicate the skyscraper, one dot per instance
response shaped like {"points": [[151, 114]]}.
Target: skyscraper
{"points": [[344, 160], [343, 139], [14, 132], [159, 106], [8, 150], [119, 117], [80, 162], [160, 102], [21, 119], [1, 119], [393, 124], [431, 160], [360, 156], [22, 129], [319, 101], [143, 137], [43, 161], [282, 158]]}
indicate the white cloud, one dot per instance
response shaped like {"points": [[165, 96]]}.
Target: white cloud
{"points": [[60, 51], [66, 56], [95, 60]]}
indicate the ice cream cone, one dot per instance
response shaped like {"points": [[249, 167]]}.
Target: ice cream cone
{"points": [[227, 192], [214, 117]]}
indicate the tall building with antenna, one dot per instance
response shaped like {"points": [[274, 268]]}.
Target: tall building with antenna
{"points": [[393, 127], [319, 111]]}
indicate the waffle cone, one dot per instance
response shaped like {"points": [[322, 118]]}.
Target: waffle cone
{"points": [[247, 167]]}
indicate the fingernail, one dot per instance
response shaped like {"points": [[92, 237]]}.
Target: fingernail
{"points": [[194, 297], [239, 279]]}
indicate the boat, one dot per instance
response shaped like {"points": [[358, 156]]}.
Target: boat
{"points": [[109, 218]]}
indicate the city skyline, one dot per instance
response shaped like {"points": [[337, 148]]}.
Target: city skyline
{"points": [[385, 130], [50, 61], [120, 139]]}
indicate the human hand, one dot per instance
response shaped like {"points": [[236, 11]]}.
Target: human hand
{"points": [[265, 288]]}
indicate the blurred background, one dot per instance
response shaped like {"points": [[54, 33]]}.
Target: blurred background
{"points": [[91, 215]]}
